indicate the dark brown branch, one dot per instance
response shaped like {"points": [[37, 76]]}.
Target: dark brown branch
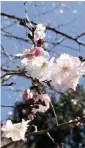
{"points": [[55, 44], [16, 72], [7, 145], [66, 35], [7, 106], [82, 34], [10, 84], [71, 122], [52, 139], [48, 28], [59, 126]]}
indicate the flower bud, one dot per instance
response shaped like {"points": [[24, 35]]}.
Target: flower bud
{"points": [[27, 95], [38, 52], [40, 41]]}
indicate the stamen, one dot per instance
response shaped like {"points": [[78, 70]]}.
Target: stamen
{"points": [[65, 68], [44, 65]]}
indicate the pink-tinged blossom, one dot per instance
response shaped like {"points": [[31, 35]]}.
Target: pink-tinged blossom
{"points": [[42, 108], [44, 71], [15, 131], [67, 72], [27, 95], [30, 64], [33, 58], [35, 52], [38, 52]]}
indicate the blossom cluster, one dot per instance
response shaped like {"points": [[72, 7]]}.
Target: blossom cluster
{"points": [[62, 72], [17, 131], [39, 103], [39, 32]]}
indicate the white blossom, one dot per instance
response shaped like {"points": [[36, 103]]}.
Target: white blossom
{"points": [[67, 72], [44, 71], [31, 64], [15, 131], [39, 32], [34, 58]]}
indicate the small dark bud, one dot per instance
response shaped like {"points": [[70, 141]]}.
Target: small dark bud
{"points": [[32, 87], [29, 36], [81, 58], [33, 29], [40, 41], [36, 106], [23, 22], [32, 100]]}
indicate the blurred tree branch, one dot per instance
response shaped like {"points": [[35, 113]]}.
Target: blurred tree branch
{"points": [[59, 126], [25, 21]]}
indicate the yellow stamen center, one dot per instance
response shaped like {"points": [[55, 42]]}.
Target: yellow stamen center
{"points": [[44, 65], [65, 68]]}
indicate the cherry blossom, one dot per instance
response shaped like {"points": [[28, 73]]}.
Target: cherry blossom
{"points": [[67, 72], [15, 131], [42, 108], [39, 32], [34, 58], [44, 71]]}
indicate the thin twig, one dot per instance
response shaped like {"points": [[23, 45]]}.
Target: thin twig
{"points": [[52, 139], [59, 126], [7, 106], [47, 27], [54, 113]]}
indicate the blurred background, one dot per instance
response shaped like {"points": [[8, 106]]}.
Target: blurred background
{"points": [[69, 19]]}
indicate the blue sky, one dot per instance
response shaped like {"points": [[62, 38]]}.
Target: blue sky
{"points": [[68, 17]]}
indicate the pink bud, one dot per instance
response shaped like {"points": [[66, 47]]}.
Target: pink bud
{"points": [[38, 52], [27, 95]]}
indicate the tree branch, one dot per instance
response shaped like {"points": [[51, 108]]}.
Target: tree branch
{"points": [[59, 126], [47, 27], [7, 106], [15, 72], [54, 113]]}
